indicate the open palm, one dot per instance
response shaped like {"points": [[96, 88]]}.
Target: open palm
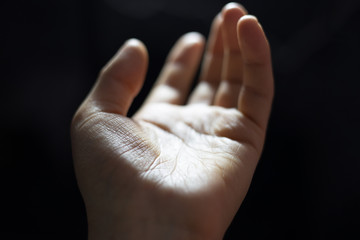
{"points": [[183, 163]]}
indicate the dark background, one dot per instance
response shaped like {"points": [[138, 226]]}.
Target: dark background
{"points": [[307, 185]]}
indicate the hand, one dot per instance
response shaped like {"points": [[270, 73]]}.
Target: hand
{"points": [[181, 166]]}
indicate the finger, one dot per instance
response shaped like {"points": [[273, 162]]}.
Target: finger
{"points": [[210, 74], [228, 92], [258, 85], [176, 77], [121, 79]]}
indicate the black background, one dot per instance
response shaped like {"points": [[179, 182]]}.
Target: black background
{"points": [[307, 185]]}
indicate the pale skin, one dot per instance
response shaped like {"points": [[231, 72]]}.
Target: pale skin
{"points": [[182, 165]]}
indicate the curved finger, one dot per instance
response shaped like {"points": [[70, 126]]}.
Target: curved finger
{"points": [[258, 85], [120, 80], [177, 75], [228, 92], [210, 75]]}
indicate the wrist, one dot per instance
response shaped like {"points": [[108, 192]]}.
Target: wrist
{"points": [[141, 229]]}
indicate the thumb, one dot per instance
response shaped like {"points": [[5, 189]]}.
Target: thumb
{"points": [[121, 79]]}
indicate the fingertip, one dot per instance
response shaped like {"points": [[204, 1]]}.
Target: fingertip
{"points": [[234, 5], [217, 21], [252, 39], [233, 8], [218, 18], [132, 52], [249, 17], [231, 14], [122, 78], [134, 42], [189, 45], [247, 22], [135, 46], [174, 81], [193, 38]]}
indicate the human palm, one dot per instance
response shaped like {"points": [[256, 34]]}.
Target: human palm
{"points": [[197, 145], [182, 164]]}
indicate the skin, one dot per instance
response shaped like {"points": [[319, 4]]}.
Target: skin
{"points": [[181, 166]]}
